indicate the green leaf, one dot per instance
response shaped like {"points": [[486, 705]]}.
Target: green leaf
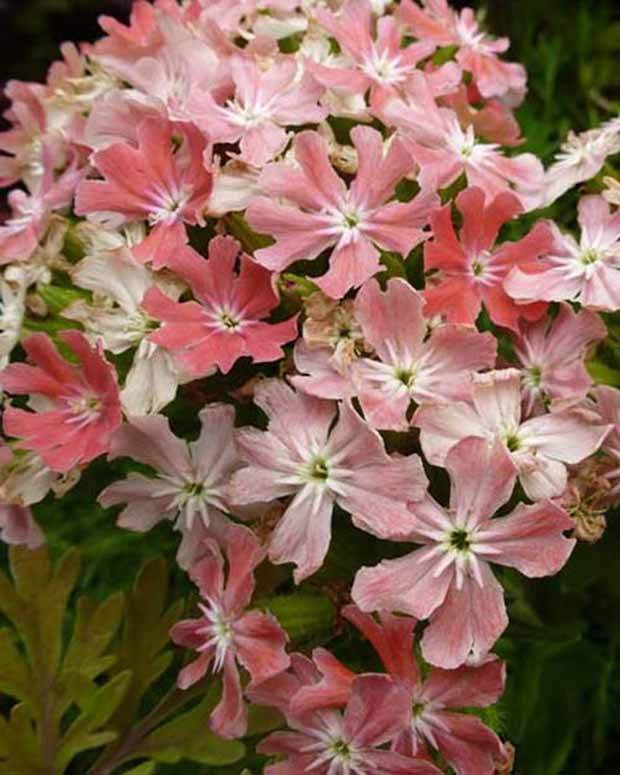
{"points": [[97, 707], [302, 615], [188, 736], [146, 628], [148, 768]]}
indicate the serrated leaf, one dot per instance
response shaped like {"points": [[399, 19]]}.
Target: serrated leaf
{"points": [[15, 675], [146, 630], [97, 708]]}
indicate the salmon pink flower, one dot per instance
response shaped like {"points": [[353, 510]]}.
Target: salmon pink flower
{"points": [[551, 355], [153, 182], [587, 271], [449, 579], [264, 102], [464, 741], [477, 53], [30, 217], [471, 269], [225, 635], [443, 150], [303, 456], [321, 212], [410, 368], [331, 742], [80, 406], [375, 63], [226, 323], [539, 447], [191, 482]]}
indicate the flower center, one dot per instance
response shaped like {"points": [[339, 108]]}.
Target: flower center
{"points": [[218, 630], [405, 376], [590, 256], [319, 470], [228, 320], [513, 442], [418, 709], [533, 376], [459, 540]]}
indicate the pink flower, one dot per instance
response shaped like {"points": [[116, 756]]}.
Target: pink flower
{"points": [[139, 37], [608, 409], [191, 479], [264, 102], [330, 742], [152, 182], [443, 150], [303, 456], [81, 405], [581, 158], [551, 355], [539, 447], [586, 271], [322, 213], [408, 367], [226, 323], [380, 62], [471, 271], [18, 526], [477, 53], [469, 747], [20, 234], [225, 635], [449, 579]]}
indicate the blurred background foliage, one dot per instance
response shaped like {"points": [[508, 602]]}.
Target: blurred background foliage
{"points": [[562, 705]]}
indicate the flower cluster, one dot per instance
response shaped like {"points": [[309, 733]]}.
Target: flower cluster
{"points": [[299, 225]]}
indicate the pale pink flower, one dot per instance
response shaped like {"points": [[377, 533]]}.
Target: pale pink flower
{"points": [[30, 132], [305, 455], [331, 742], [587, 271], [225, 635], [227, 320], [472, 267], [443, 150], [80, 406], [31, 212], [153, 182], [321, 213], [608, 409], [477, 52], [176, 82], [191, 479], [332, 341], [409, 367], [539, 447], [115, 314], [449, 579], [24, 480], [551, 355], [464, 741], [18, 526], [581, 158], [263, 104], [375, 62]]}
